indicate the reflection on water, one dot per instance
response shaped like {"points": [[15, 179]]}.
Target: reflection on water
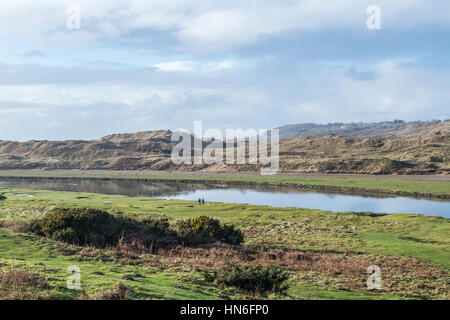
{"points": [[272, 196]]}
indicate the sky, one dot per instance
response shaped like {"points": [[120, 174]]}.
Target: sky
{"points": [[133, 65]]}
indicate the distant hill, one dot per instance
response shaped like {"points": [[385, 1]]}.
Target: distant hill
{"points": [[128, 151], [425, 152], [388, 129]]}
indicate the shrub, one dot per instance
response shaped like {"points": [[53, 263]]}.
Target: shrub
{"points": [[89, 226], [436, 158], [158, 226], [2, 196], [97, 227], [258, 280], [34, 226], [205, 230], [66, 235], [85, 226]]}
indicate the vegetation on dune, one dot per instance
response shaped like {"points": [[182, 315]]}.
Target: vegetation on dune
{"points": [[422, 153], [386, 129]]}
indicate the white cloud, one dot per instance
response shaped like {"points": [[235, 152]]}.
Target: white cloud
{"points": [[132, 95], [399, 91], [206, 24], [196, 73], [194, 66], [33, 53], [55, 124]]}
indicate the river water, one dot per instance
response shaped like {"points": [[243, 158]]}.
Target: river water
{"points": [[271, 196]]}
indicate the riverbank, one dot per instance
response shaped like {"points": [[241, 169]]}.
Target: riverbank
{"points": [[418, 187], [334, 249]]}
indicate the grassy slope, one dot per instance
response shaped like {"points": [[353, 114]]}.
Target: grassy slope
{"points": [[402, 235], [431, 187]]}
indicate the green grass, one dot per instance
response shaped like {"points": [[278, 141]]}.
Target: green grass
{"points": [[393, 244], [397, 235], [305, 292], [45, 256], [411, 187]]}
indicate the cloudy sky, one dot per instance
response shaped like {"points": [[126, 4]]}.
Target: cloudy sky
{"points": [[138, 65]]}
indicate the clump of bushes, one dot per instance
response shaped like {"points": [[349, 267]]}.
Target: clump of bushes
{"points": [[85, 226], [206, 230], [2, 196], [258, 280]]}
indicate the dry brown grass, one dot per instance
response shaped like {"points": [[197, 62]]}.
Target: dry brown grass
{"points": [[212, 256], [294, 260], [15, 284], [402, 276], [13, 225]]}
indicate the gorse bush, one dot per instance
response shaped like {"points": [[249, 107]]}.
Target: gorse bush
{"points": [[85, 226], [84, 222], [258, 280], [66, 235], [97, 227], [206, 230]]}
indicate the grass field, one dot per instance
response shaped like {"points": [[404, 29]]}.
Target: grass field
{"points": [[405, 187], [325, 253]]}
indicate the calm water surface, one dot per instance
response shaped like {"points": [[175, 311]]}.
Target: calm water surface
{"points": [[278, 197]]}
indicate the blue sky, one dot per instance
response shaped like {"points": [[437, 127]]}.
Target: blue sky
{"points": [[161, 64]]}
